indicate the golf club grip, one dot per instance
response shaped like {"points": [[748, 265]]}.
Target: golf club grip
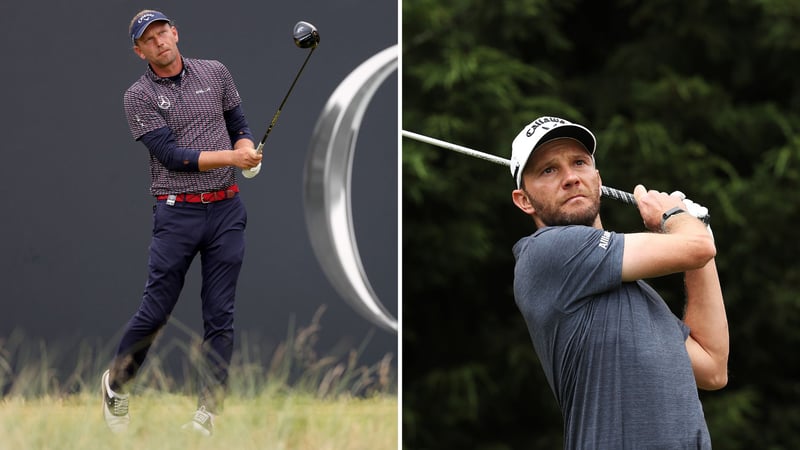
{"points": [[250, 173], [616, 194], [628, 198]]}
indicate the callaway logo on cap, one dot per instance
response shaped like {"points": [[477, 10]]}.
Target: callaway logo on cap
{"points": [[141, 23], [541, 131]]}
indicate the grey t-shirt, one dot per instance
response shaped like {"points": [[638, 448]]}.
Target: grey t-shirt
{"points": [[613, 352]]}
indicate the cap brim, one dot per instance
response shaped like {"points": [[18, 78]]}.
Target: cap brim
{"points": [[141, 32], [578, 133]]}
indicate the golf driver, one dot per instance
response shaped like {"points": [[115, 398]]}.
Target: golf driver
{"points": [[305, 36], [606, 191]]}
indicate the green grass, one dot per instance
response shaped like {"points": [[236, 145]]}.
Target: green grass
{"points": [[290, 397], [267, 421]]}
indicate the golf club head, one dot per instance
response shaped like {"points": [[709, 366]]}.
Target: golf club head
{"points": [[305, 35]]}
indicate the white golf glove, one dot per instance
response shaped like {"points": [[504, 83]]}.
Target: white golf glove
{"points": [[250, 173], [695, 210]]}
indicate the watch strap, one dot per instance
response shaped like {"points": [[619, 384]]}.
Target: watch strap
{"points": [[669, 213]]}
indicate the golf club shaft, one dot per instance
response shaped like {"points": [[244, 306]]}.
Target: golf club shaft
{"points": [[250, 173], [609, 192], [260, 147]]}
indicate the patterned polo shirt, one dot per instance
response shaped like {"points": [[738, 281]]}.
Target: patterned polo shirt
{"points": [[192, 106]]}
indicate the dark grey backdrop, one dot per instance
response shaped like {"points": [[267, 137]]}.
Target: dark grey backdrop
{"points": [[76, 213]]}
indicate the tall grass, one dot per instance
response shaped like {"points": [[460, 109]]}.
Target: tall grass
{"points": [[31, 369], [267, 421], [288, 397]]}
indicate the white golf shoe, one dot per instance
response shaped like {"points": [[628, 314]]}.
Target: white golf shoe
{"points": [[115, 407], [202, 422]]}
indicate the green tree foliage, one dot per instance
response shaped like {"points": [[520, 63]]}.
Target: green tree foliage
{"points": [[700, 96]]}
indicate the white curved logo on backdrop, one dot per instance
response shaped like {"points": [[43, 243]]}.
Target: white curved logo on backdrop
{"points": [[327, 186]]}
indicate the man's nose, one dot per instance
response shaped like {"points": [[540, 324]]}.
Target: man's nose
{"points": [[570, 177]]}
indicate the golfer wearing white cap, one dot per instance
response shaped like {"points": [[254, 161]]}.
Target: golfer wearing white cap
{"points": [[624, 369]]}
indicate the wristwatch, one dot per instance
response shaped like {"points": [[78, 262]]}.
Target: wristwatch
{"points": [[668, 214]]}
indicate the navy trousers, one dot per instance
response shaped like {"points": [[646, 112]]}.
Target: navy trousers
{"points": [[180, 232]]}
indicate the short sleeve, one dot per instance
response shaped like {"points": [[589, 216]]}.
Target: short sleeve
{"points": [[142, 113]]}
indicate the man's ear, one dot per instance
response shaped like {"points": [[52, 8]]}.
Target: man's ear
{"points": [[138, 52], [522, 201]]}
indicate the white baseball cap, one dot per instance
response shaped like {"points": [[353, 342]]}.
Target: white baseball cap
{"points": [[538, 133]]}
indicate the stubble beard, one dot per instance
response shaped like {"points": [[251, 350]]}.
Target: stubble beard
{"points": [[553, 216], [165, 61]]}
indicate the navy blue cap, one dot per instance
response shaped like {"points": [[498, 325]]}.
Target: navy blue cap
{"points": [[144, 20]]}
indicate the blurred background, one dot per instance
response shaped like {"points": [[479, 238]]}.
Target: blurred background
{"points": [[77, 213], [697, 96]]}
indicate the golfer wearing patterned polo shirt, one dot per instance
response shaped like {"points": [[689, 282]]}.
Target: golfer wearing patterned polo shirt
{"points": [[188, 114]]}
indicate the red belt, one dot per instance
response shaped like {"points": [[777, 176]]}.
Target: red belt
{"points": [[204, 197]]}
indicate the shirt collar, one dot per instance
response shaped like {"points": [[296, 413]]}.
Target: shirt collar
{"points": [[177, 78]]}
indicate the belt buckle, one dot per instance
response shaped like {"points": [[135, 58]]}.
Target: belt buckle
{"points": [[203, 199]]}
